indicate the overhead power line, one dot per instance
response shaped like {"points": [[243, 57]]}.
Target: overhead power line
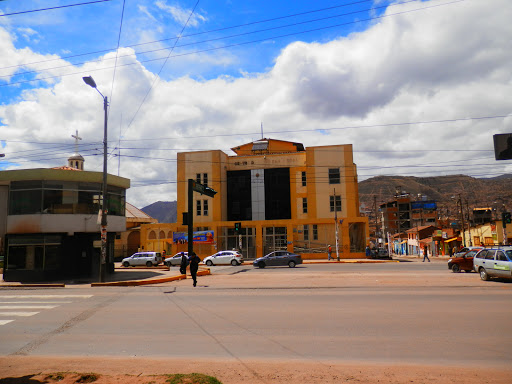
{"points": [[192, 34], [216, 48], [53, 8]]}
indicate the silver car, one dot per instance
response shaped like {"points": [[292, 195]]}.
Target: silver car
{"points": [[148, 259], [494, 262], [174, 260]]}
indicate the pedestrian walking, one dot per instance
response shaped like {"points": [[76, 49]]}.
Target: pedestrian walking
{"points": [[425, 253], [194, 265], [329, 253], [183, 264]]}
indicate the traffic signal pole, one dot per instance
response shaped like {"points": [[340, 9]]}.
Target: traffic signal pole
{"points": [[203, 190], [190, 217]]}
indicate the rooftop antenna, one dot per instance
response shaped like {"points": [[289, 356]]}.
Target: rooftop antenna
{"points": [[262, 130]]}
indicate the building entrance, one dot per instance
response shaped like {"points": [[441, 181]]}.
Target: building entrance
{"points": [[275, 239]]}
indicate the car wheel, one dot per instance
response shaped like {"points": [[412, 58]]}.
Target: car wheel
{"points": [[291, 264], [483, 274], [149, 264], [234, 262], [209, 263], [455, 268], [126, 264], [261, 264]]}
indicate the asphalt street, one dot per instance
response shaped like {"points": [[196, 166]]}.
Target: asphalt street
{"points": [[397, 312]]}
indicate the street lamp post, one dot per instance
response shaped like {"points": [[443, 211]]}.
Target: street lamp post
{"points": [[90, 81]]}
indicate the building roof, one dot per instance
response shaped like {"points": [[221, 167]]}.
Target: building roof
{"points": [[268, 146], [417, 229], [135, 214]]}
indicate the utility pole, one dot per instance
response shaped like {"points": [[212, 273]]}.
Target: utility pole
{"points": [[469, 224], [336, 226], [462, 221]]}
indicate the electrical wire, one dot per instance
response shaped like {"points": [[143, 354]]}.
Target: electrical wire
{"points": [[102, 60], [229, 45], [53, 8], [190, 35]]}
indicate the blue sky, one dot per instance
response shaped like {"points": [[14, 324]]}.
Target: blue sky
{"points": [[419, 86]]}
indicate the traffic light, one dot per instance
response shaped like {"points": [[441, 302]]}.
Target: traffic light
{"points": [[238, 227], [507, 218]]}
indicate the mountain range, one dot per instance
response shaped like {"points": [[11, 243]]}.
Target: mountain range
{"points": [[448, 191]]}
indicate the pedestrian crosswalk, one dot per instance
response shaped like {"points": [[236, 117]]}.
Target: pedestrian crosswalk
{"points": [[17, 306]]}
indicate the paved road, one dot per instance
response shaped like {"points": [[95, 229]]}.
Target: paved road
{"points": [[370, 313]]}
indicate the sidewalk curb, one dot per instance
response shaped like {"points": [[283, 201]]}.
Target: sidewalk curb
{"points": [[127, 283], [52, 285]]}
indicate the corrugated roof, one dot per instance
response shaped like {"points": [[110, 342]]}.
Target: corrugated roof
{"points": [[133, 212]]}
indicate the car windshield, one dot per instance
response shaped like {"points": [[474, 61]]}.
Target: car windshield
{"points": [[472, 253]]}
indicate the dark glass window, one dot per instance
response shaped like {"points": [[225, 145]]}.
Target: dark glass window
{"points": [[25, 202], [239, 195], [304, 205], [205, 207], [335, 203], [305, 232], [304, 179], [315, 232], [198, 207], [334, 176], [205, 179]]}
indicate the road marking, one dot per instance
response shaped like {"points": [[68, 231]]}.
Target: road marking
{"points": [[24, 314], [18, 303], [27, 306]]}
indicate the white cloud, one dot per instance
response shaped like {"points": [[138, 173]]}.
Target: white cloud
{"points": [[445, 63], [181, 15]]}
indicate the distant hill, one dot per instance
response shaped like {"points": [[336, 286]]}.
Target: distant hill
{"points": [[163, 211], [490, 192]]}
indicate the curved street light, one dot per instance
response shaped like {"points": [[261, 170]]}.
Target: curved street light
{"points": [[90, 81]]}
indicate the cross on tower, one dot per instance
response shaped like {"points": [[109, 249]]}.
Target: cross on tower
{"points": [[76, 137]]}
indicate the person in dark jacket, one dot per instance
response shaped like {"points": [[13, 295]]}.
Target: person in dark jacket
{"points": [[194, 265], [183, 264]]}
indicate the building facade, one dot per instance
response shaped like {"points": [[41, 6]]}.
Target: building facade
{"points": [[282, 195], [49, 224]]}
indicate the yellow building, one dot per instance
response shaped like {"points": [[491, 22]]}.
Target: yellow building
{"points": [[284, 196]]}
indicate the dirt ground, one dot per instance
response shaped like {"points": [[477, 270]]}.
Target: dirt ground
{"points": [[34, 370]]}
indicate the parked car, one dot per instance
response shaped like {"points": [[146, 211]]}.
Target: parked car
{"points": [[174, 260], [494, 262], [463, 261], [278, 258], [224, 257], [379, 253], [148, 259], [465, 250]]}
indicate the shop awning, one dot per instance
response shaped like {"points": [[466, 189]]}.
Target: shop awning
{"points": [[403, 242], [447, 241]]}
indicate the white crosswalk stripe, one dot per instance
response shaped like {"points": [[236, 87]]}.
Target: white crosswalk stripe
{"points": [[16, 306]]}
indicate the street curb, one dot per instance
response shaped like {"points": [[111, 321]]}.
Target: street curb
{"points": [[149, 281], [350, 261], [56, 285]]}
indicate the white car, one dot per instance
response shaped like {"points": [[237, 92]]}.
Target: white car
{"points": [[224, 257], [174, 260], [148, 259]]}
